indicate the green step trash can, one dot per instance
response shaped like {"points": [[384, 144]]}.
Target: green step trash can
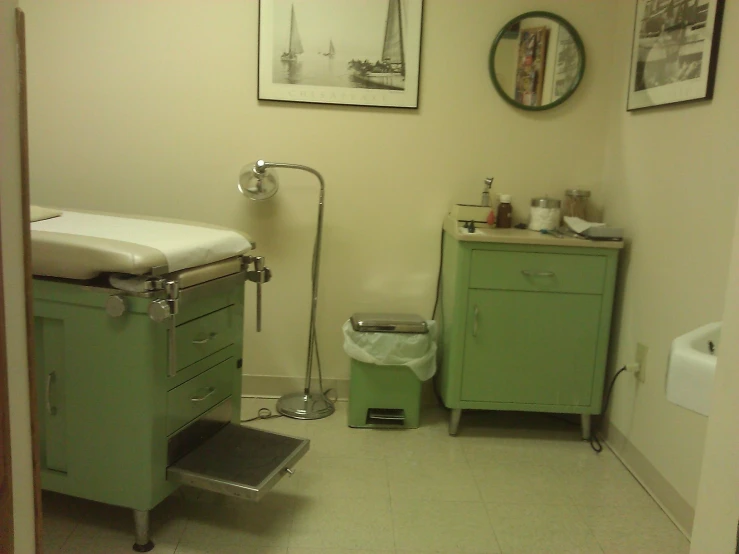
{"points": [[391, 355]]}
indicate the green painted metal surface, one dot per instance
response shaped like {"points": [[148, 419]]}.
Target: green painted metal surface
{"points": [[111, 388], [51, 395], [530, 347], [541, 342], [385, 387], [536, 271], [198, 395], [201, 337]]}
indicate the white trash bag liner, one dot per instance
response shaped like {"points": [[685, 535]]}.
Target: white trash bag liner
{"points": [[416, 351]]}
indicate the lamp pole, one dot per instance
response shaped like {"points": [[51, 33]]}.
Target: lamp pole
{"points": [[305, 405]]}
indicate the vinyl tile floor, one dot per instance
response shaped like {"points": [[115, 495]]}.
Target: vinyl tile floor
{"points": [[511, 483]]}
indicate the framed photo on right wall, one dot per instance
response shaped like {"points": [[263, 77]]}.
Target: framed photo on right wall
{"points": [[674, 51]]}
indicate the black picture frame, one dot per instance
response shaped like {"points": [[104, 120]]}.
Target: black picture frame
{"points": [[674, 53], [333, 59]]}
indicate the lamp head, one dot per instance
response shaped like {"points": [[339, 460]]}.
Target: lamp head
{"points": [[257, 181]]}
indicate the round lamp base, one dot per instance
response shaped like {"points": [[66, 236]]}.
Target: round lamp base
{"points": [[299, 405]]}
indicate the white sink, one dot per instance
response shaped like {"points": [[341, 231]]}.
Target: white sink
{"points": [[692, 367]]}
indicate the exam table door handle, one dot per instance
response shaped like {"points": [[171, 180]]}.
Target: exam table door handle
{"points": [[532, 273], [50, 380], [209, 338], [208, 392]]}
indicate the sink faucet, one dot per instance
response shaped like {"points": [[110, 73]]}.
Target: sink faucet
{"points": [[486, 192]]}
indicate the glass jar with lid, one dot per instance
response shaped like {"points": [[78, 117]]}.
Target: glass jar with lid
{"points": [[544, 214], [576, 203]]}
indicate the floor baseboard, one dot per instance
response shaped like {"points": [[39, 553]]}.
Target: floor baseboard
{"points": [[671, 501]]}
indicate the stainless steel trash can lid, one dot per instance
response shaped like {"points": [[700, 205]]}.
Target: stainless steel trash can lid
{"points": [[389, 323]]}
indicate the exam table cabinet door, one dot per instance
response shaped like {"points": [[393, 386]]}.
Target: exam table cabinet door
{"points": [[51, 397], [239, 461]]}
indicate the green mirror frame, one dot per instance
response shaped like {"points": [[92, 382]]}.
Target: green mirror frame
{"points": [[578, 43]]}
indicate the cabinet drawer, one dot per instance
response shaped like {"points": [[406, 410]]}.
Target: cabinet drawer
{"points": [[535, 271], [199, 394], [203, 336]]}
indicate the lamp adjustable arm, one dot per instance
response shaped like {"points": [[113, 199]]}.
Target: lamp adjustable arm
{"points": [[261, 167]]}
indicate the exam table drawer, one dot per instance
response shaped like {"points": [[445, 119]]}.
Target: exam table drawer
{"points": [[239, 461], [201, 337], [194, 397], [537, 271]]}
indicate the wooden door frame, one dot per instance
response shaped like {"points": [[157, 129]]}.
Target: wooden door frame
{"points": [[6, 474], [6, 492], [20, 28]]}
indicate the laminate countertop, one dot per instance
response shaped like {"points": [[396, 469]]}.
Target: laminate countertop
{"points": [[483, 233]]}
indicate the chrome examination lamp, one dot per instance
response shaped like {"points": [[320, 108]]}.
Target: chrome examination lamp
{"points": [[258, 181]]}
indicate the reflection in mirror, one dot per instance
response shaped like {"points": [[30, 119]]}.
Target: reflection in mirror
{"points": [[537, 62]]}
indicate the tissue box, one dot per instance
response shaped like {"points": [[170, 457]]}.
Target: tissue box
{"points": [[470, 212]]}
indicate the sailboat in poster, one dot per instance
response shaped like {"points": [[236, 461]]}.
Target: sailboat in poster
{"points": [[389, 72], [331, 50], [294, 45]]}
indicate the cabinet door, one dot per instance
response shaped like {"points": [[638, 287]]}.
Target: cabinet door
{"points": [[530, 347], [50, 371]]}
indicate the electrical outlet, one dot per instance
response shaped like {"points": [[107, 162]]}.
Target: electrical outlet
{"points": [[641, 358]]}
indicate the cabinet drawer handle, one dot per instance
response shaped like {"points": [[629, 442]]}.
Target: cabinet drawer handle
{"points": [[209, 338], [209, 392], [474, 323], [531, 273], [50, 379]]}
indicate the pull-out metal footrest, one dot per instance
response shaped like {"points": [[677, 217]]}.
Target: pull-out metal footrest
{"points": [[239, 461]]}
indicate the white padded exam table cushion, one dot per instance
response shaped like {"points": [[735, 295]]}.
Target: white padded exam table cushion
{"points": [[80, 245]]}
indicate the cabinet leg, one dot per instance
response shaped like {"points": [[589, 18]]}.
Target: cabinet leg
{"points": [[585, 426], [143, 542], [454, 420]]}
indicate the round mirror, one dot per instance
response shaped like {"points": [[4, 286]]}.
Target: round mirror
{"points": [[537, 61]]}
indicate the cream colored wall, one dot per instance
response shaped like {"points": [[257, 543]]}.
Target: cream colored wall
{"points": [[12, 257], [717, 511], [670, 180], [150, 107]]}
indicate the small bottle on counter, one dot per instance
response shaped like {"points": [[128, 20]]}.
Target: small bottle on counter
{"points": [[504, 217]]}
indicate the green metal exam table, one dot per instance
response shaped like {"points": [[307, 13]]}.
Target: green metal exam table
{"points": [[138, 344]]}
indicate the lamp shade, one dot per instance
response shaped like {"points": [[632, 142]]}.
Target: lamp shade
{"points": [[257, 182]]}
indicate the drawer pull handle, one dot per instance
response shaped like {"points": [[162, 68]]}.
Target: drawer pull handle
{"points": [[474, 323], [209, 338], [50, 379], [208, 392], [531, 273]]}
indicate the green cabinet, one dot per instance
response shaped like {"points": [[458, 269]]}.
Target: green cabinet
{"points": [[109, 409], [525, 326]]}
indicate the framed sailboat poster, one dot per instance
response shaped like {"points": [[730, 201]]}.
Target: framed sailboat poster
{"points": [[351, 52]]}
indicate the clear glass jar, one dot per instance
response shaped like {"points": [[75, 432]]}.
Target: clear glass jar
{"points": [[576, 203], [544, 214]]}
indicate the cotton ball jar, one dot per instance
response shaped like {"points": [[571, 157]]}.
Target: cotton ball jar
{"points": [[545, 214]]}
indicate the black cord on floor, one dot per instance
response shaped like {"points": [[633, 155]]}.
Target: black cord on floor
{"points": [[438, 277], [594, 442], [262, 413]]}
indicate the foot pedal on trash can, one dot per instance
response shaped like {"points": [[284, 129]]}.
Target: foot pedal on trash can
{"points": [[385, 416]]}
